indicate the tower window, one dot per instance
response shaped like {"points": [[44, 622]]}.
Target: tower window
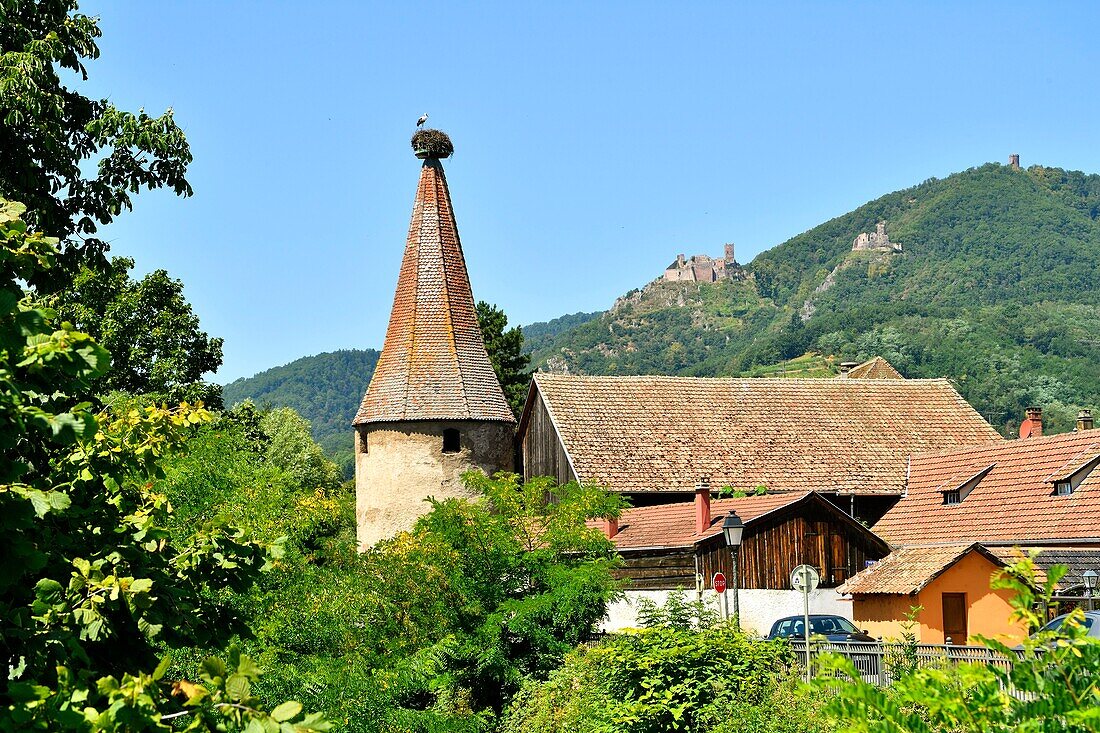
{"points": [[451, 443]]}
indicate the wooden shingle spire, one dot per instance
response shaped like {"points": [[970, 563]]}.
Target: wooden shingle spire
{"points": [[433, 365]]}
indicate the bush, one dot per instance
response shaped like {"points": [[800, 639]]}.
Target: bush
{"points": [[655, 680]]}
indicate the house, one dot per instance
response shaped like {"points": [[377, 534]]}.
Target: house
{"points": [[652, 437], [963, 513], [949, 583], [1038, 491], [666, 547]]}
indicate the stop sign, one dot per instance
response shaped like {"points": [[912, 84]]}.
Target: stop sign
{"points": [[719, 583]]}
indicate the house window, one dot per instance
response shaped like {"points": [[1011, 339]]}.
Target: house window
{"points": [[451, 443], [952, 497], [1063, 488]]}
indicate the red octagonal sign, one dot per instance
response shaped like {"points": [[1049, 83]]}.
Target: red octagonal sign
{"points": [[719, 583]]}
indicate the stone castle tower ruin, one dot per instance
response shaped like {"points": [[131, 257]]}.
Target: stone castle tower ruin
{"points": [[434, 408]]}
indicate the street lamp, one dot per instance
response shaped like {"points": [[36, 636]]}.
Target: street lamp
{"points": [[732, 529], [1090, 577]]}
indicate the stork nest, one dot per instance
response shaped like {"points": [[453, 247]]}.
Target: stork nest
{"points": [[429, 143]]}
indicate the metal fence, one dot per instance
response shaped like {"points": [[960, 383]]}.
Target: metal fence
{"points": [[878, 662]]}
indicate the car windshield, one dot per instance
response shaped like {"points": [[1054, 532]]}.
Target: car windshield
{"points": [[1056, 624], [831, 625]]}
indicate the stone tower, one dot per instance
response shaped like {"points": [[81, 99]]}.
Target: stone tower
{"points": [[1014, 161], [434, 408]]}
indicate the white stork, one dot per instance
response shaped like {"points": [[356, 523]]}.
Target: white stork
{"points": [[422, 120]]}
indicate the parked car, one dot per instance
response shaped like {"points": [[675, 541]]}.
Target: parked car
{"points": [[1090, 623], [833, 628]]}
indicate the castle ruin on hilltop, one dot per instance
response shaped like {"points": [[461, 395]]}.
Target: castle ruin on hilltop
{"points": [[877, 241], [701, 268]]}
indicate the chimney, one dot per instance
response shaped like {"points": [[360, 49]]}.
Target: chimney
{"points": [[702, 505], [1032, 426], [1084, 420], [610, 526], [847, 366], [1014, 161]]}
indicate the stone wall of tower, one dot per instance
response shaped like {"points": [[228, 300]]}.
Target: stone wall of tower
{"points": [[399, 464]]}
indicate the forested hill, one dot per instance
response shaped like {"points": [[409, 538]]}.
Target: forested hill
{"points": [[997, 286], [324, 389]]}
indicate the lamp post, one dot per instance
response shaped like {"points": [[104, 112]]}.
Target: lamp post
{"points": [[732, 529], [1090, 577]]}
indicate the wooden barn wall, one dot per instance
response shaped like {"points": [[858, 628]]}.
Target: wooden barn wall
{"points": [[658, 570], [769, 553], [543, 453]]}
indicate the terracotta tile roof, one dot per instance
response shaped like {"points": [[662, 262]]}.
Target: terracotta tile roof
{"points": [[910, 569], [673, 525], [433, 365], [638, 434], [876, 368], [1012, 503]]}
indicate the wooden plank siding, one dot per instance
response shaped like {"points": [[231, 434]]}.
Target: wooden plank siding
{"points": [[543, 452], [811, 533], [658, 569]]}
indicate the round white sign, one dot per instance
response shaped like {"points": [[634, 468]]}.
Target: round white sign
{"points": [[805, 577]]}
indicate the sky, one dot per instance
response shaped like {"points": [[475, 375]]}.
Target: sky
{"points": [[594, 140]]}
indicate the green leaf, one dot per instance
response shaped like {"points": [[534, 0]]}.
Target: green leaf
{"points": [[238, 687], [286, 711], [162, 668]]}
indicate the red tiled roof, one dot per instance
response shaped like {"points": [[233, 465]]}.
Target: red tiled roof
{"points": [[876, 368], [638, 434], [433, 365], [910, 569], [673, 525], [1013, 503]]}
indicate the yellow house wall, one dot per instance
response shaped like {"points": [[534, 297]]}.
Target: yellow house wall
{"points": [[987, 610], [881, 616]]}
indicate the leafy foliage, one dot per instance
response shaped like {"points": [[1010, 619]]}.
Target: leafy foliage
{"points": [[517, 582], [996, 288], [93, 585], [153, 335], [505, 349], [659, 679], [53, 136]]}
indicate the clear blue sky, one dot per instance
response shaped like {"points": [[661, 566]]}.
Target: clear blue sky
{"points": [[594, 141]]}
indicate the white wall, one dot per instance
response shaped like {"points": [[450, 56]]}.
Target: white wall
{"points": [[759, 608]]}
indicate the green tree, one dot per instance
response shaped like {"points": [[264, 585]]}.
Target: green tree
{"points": [[156, 344], [290, 447], [92, 586], [53, 137], [505, 349], [516, 582]]}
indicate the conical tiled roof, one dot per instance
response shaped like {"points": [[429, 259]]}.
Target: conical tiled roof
{"points": [[433, 365]]}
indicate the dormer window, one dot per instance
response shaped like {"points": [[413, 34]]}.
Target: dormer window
{"points": [[1073, 475], [954, 492]]}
